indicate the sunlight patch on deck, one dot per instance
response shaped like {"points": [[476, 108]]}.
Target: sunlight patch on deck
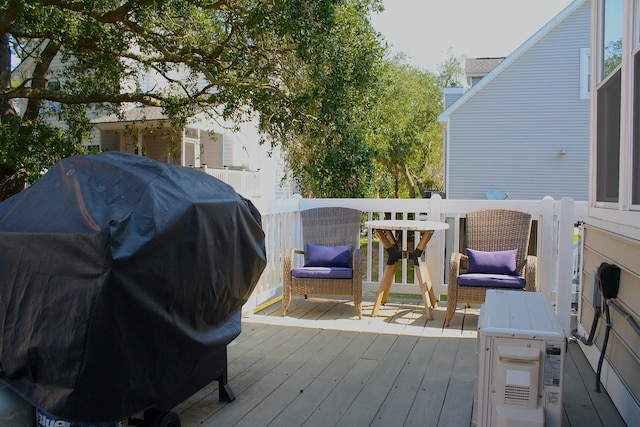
{"points": [[397, 316]]}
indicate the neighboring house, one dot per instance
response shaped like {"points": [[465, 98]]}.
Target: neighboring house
{"points": [[232, 155], [522, 131], [475, 69], [612, 227]]}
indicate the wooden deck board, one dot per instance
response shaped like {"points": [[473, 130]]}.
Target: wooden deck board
{"points": [[429, 401], [316, 392], [266, 376], [296, 372], [458, 402], [587, 404], [404, 391], [374, 393], [340, 399], [322, 366]]}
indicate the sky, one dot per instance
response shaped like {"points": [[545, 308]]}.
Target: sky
{"points": [[430, 31]]}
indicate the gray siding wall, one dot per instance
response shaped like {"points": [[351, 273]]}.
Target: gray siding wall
{"points": [[508, 136]]}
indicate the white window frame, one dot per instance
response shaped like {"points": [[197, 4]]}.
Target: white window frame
{"points": [[635, 50], [585, 73], [624, 215]]}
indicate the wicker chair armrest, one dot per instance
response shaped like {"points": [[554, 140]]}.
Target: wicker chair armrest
{"points": [[460, 262], [288, 260], [455, 267], [530, 273], [290, 252]]}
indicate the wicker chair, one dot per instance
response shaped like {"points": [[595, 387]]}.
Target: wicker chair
{"points": [[490, 231], [326, 227]]}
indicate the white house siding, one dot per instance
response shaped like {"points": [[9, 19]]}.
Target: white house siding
{"points": [[507, 135], [211, 149], [110, 140], [156, 145]]}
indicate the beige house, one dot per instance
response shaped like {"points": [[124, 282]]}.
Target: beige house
{"points": [[612, 227]]}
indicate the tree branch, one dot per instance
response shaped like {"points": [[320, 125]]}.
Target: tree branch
{"points": [[39, 81]]}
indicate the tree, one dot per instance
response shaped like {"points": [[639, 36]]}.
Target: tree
{"points": [[407, 137], [450, 72], [612, 56], [329, 156], [298, 64]]}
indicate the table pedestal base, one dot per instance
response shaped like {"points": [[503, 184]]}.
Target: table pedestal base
{"points": [[421, 271]]}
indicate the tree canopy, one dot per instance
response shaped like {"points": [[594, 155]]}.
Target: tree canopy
{"points": [[304, 66], [407, 137]]}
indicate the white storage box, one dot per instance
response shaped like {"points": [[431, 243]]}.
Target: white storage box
{"points": [[520, 361]]}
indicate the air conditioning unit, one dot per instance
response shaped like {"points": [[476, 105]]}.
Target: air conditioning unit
{"points": [[520, 361]]}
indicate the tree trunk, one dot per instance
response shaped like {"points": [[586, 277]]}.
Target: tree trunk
{"points": [[39, 78], [7, 108], [9, 185], [410, 183]]}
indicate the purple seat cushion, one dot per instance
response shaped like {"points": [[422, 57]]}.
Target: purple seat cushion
{"points": [[492, 280], [328, 256], [499, 262], [322, 273]]}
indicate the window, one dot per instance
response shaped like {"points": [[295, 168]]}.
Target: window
{"points": [[585, 73], [635, 143], [609, 102], [608, 140], [636, 25], [635, 165], [616, 103], [611, 36]]}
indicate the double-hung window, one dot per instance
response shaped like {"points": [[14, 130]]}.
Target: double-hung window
{"points": [[616, 99], [609, 102], [635, 147]]}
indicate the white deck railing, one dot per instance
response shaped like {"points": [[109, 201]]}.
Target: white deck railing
{"points": [[554, 236], [244, 182]]}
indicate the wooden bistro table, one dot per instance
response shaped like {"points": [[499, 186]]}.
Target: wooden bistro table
{"points": [[384, 229]]}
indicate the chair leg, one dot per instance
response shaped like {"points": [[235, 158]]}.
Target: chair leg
{"points": [[357, 302], [359, 309], [451, 310], [286, 300]]}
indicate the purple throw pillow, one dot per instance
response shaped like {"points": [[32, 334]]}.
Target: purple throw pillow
{"points": [[328, 256], [500, 262]]}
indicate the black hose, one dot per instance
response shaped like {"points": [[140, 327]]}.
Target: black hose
{"points": [[604, 345], [626, 315], [594, 325]]}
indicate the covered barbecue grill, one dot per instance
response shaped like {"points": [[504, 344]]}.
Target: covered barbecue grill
{"points": [[121, 283]]}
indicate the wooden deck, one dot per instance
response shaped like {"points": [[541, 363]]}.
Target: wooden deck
{"points": [[322, 366]]}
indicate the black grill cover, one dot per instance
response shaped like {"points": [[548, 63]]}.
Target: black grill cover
{"points": [[118, 274]]}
